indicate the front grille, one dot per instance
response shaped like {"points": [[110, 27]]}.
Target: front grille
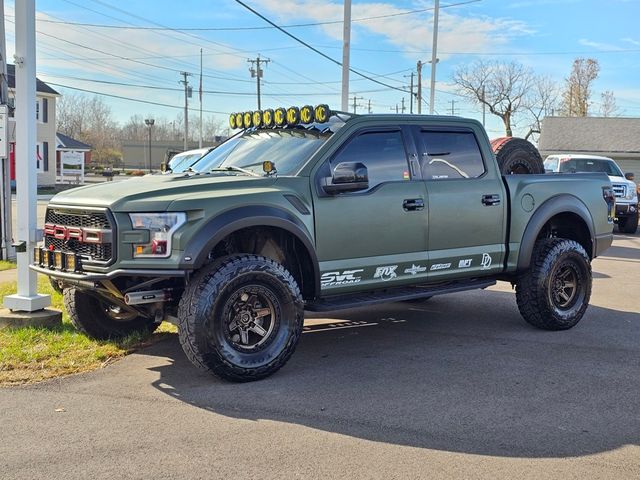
{"points": [[89, 252], [619, 190]]}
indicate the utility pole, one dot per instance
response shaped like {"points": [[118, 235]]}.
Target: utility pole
{"points": [[355, 103], [411, 94], [419, 97], [257, 73], [187, 91], [403, 107], [434, 58], [453, 107], [395, 108], [346, 48], [369, 107]]}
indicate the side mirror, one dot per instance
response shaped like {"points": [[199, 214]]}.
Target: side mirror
{"points": [[347, 177], [630, 176]]}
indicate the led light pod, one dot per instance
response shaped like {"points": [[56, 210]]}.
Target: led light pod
{"points": [[306, 114], [247, 117], [257, 118], [280, 117], [267, 118], [322, 113], [232, 121], [239, 120], [293, 116]]}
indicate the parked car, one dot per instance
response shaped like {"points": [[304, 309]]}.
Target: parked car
{"points": [[624, 189], [181, 161]]}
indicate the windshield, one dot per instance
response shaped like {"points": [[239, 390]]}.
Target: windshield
{"points": [[288, 149], [180, 163], [591, 165]]}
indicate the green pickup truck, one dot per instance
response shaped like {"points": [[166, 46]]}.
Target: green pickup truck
{"points": [[308, 209]]}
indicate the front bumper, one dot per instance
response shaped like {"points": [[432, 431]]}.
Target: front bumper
{"points": [[82, 278], [626, 209]]}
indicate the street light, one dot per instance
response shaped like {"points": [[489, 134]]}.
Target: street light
{"points": [[149, 123]]}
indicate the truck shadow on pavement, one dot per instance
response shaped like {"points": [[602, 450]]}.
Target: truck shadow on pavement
{"points": [[458, 373]]}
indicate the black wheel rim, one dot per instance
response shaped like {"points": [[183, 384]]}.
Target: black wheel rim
{"points": [[564, 286], [250, 318]]}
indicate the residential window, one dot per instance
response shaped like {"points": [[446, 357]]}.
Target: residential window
{"points": [[40, 157], [451, 155]]}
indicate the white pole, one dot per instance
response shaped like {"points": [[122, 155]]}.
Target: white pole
{"points": [[434, 59], [5, 180], [27, 298], [200, 95], [346, 47]]}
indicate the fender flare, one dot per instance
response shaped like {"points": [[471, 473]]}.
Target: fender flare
{"points": [[198, 248], [563, 203]]}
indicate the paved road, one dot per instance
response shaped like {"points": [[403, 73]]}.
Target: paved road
{"points": [[456, 387]]}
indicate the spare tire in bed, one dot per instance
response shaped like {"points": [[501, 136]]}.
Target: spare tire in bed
{"points": [[516, 156]]}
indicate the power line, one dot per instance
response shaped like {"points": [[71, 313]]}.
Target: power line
{"points": [[324, 55], [129, 98], [227, 29]]}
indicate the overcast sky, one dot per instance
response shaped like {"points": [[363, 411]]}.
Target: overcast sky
{"points": [[545, 35]]}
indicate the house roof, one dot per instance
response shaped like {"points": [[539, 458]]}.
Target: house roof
{"points": [[40, 85], [590, 134], [65, 141]]}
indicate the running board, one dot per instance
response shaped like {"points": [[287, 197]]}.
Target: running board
{"points": [[397, 294]]}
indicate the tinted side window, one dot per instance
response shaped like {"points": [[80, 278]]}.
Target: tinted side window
{"points": [[451, 155], [383, 154]]}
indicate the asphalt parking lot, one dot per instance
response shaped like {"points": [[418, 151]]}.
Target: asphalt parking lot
{"points": [[456, 387]]}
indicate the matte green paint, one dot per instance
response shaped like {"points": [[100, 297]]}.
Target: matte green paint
{"points": [[363, 240]]}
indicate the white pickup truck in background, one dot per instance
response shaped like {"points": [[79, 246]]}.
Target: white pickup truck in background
{"points": [[625, 190]]}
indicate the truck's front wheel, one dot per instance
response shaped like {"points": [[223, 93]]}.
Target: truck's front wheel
{"points": [[628, 224], [555, 291], [241, 318], [102, 320]]}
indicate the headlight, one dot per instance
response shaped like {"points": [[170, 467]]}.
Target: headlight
{"points": [[631, 192], [161, 227]]}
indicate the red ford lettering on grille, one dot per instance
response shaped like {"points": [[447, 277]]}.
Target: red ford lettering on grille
{"points": [[73, 233]]}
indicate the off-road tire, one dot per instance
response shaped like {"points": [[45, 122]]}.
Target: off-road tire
{"points": [[628, 224], [206, 317], [517, 156], [98, 319], [555, 260]]}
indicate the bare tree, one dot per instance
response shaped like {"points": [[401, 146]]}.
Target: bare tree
{"points": [[541, 102], [575, 98], [608, 107], [501, 86], [89, 119]]}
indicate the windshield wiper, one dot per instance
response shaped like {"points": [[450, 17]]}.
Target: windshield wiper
{"points": [[233, 168]]}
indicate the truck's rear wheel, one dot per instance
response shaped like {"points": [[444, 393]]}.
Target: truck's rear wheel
{"points": [[517, 156], [241, 318], [554, 293], [101, 319]]}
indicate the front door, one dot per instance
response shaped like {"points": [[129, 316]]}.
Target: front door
{"points": [[372, 236]]}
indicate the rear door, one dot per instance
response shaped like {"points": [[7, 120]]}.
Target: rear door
{"points": [[467, 204]]}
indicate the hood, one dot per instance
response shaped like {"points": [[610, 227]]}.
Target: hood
{"points": [[154, 193]]}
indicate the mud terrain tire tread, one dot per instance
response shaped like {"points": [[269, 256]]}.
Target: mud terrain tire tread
{"points": [[199, 299], [517, 152], [532, 289]]}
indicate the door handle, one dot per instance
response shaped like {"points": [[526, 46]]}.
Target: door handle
{"points": [[413, 204], [492, 199]]}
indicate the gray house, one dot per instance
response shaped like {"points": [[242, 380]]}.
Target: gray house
{"points": [[617, 138]]}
